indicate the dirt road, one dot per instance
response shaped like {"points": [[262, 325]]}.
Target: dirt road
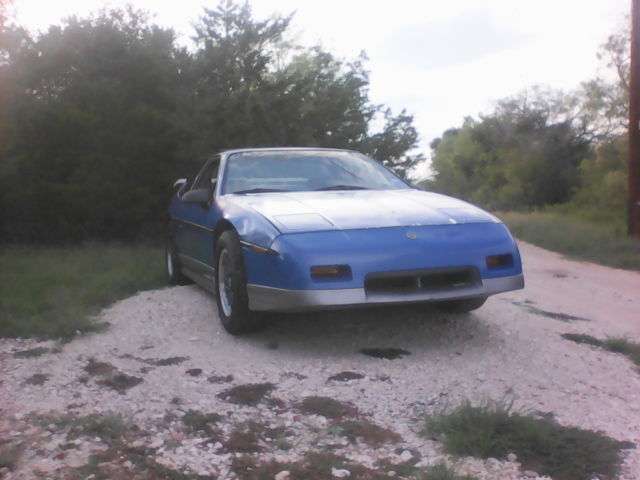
{"points": [[170, 346]]}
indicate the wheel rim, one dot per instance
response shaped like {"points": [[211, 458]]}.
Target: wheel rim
{"points": [[169, 262], [225, 276]]}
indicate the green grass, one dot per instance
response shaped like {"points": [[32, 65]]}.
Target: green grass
{"points": [[249, 394], [576, 237], [327, 407], [51, 292], [196, 421], [612, 344], [541, 444]]}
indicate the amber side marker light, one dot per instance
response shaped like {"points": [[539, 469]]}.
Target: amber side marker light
{"points": [[498, 261], [258, 248], [330, 271]]}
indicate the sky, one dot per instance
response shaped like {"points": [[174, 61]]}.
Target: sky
{"points": [[440, 60]]}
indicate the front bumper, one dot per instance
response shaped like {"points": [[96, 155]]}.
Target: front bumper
{"points": [[263, 298]]}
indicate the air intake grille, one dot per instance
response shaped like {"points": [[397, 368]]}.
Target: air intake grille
{"points": [[421, 281]]}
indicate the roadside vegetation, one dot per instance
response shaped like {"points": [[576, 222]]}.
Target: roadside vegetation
{"points": [[572, 235], [621, 345], [493, 430], [53, 292]]}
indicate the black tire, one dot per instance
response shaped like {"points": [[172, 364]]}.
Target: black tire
{"points": [[173, 267], [462, 306], [231, 287]]}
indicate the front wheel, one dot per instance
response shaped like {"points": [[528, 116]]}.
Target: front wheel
{"points": [[231, 287], [463, 305]]}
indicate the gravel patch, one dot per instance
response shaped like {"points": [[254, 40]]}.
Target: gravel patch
{"points": [[165, 356]]}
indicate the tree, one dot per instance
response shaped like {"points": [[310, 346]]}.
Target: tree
{"points": [[254, 88], [90, 142], [524, 154], [606, 97], [100, 114]]}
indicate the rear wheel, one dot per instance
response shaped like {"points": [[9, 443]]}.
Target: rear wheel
{"points": [[174, 269], [463, 305], [231, 287]]}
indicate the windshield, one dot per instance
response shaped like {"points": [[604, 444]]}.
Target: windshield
{"points": [[301, 170]]}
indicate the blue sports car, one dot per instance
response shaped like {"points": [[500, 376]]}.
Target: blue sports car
{"points": [[293, 229]]}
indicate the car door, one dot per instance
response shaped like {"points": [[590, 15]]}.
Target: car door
{"points": [[194, 236]]}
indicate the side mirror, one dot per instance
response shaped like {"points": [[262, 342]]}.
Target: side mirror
{"points": [[200, 196], [179, 183]]}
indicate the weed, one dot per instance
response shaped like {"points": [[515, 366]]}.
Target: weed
{"points": [[624, 346], [83, 379], [345, 377], [69, 446], [242, 441], [582, 338], [9, 456], [612, 344], [108, 428], [387, 353], [31, 353], [541, 444], [56, 290], [201, 422], [245, 437], [121, 382], [121, 461], [284, 444], [94, 368], [164, 362], [250, 394], [563, 317], [403, 469], [37, 379], [327, 407], [370, 433], [220, 379], [297, 376]]}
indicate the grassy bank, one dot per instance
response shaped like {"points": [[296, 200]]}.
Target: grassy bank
{"points": [[575, 237], [52, 292]]}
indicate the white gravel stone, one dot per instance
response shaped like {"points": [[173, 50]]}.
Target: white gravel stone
{"points": [[340, 472], [406, 455]]}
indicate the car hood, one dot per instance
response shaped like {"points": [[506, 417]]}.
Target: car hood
{"points": [[357, 209]]}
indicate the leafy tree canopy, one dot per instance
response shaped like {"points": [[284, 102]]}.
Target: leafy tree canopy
{"points": [[100, 114]]}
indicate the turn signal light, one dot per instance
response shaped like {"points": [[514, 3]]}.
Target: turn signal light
{"points": [[330, 271], [498, 261]]}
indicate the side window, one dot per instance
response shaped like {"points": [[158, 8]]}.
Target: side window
{"points": [[207, 176]]}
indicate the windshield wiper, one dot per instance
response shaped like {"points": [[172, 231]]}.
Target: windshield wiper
{"points": [[343, 187], [261, 190]]}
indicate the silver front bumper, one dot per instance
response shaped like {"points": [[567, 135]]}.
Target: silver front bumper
{"points": [[276, 299]]}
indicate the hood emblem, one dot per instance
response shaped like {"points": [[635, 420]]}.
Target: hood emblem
{"points": [[411, 235]]}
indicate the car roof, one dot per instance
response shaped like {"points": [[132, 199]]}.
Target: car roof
{"points": [[284, 149]]}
